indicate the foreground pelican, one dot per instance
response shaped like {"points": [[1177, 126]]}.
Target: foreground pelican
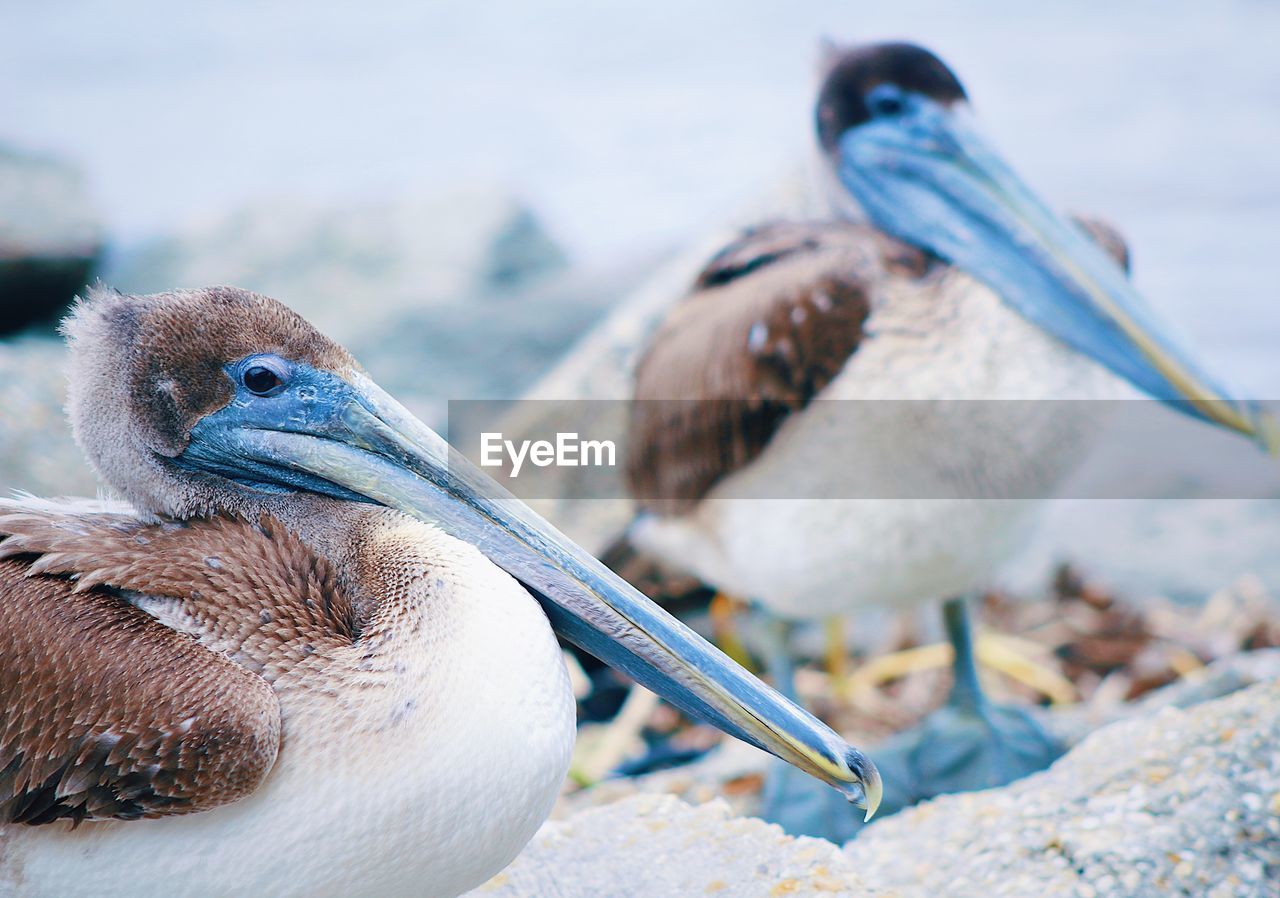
{"points": [[309, 628], [942, 278]]}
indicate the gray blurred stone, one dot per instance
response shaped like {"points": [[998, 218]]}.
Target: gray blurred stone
{"points": [[461, 295], [487, 348], [711, 775], [1072, 723], [1180, 548], [50, 237], [1173, 802], [350, 268], [37, 453]]}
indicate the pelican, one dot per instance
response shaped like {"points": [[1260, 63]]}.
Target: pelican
{"points": [[761, 466], [312, 651]]}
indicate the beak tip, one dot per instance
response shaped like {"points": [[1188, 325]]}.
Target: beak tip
{"points": [[873, 793], [869, 778]]}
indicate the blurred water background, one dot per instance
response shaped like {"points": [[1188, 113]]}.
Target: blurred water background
{"points": [[635, 124], [625, 130]]}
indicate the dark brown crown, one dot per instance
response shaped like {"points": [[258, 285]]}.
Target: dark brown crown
{"points": [[854, 72]]}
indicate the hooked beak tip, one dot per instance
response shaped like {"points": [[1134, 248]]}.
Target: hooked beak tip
{"points": [[865, 789], [872, 788]]}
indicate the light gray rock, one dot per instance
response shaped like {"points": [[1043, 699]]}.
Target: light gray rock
{"points": [[1182, 802], [1073, 723], [50, 237], [732, 761], [1180, 548], [656, 846]]}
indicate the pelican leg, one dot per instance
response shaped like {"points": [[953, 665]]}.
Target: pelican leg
{"points": [[970, 743]]}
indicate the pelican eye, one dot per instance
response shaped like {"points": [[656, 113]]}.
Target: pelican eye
{"points": [[262, 381], [886, 101]]}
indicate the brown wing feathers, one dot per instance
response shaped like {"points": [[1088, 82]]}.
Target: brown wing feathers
{"points": [[251, 590], [110, 713], [773, 318]]}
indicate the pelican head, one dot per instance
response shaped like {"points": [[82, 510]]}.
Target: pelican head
{"points": [[220, 400], [895, 124]]}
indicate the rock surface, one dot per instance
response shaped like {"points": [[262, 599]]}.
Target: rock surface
{"points": [[1181, 802], [1185, 802], [50, 238], [732, 767], [656, 846]]}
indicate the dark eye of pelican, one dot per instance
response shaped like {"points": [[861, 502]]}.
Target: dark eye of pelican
{"points": [[262, 381], [885, 101]]}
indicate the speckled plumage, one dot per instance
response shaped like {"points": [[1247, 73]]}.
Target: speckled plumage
{"points": [[730, 364]]}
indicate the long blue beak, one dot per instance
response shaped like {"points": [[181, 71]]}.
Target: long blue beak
{"points": [[352, 441], [927, 176]]}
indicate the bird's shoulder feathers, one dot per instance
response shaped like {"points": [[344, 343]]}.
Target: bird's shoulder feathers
{"points": [[113, 711]]}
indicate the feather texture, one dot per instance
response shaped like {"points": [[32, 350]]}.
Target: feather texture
{"points": [[111, 711]]}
